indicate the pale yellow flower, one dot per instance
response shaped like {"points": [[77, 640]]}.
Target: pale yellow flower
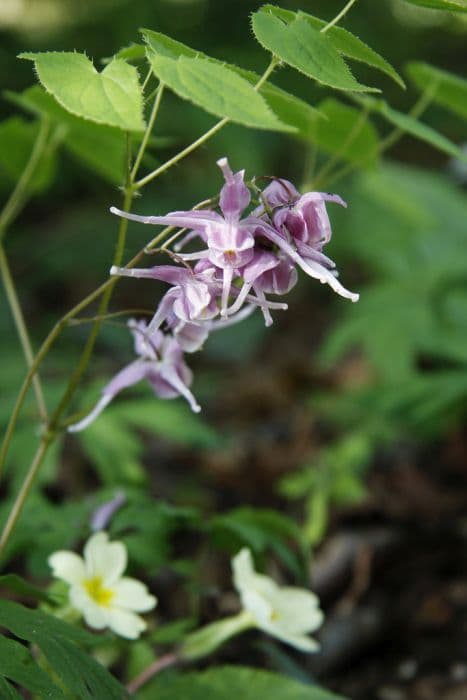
{"points": [[286, 612], [98, 589]]}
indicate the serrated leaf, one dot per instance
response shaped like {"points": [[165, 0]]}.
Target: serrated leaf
{"points": [[84, 676], [446, 88], [17, 138], [289, 109], [343, 41], [451, 5], [217, 89], [346, 132], [112, 97], [58, 641], [17, 664], [133, 52], [229, 682], [307, 50], [101, 148], [415, 128]]}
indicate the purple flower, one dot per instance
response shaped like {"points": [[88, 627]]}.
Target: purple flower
{"points": [[299, 227], [276, 194], [191, 299], [102, 516], [160, 362], [267, 272], [229, 240]]}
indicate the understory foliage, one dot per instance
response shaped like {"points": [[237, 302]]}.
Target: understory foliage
{"points": [[112, 541]]}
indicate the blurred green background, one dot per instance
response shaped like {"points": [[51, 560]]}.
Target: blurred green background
{"points": [[318, 415]]}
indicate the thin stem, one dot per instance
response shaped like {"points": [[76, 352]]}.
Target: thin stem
{"points": [[418, 108], [352, 135], [182, 154], [338, 17], [146, 80], [106, 317], [89, 347], [21, 329], [202, 139], [267, 73], [24, 491], [147, 133], [15, 201], [149, 672]]}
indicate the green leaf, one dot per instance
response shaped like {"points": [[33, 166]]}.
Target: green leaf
{"points": [[452, 5], [260, 529], [17, 138], [289, 109], [115, 448], [217, 89], [15, 583], [449, 90], [84, 676], [58, 641], [343, 41], [112, 97], [306, 49], [147, 528], [133, 52], [7, 692], [346, 133], [229, 682], [415, 128], [17, 664], [101, 148], [171, 420]]}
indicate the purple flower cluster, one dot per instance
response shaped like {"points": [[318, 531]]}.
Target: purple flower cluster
{"points": [[241, 261]]}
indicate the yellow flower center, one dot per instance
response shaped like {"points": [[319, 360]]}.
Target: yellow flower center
{"points": [[96, 591]]}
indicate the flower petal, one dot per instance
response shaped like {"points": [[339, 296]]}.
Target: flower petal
{"points": [[126, 624], [311, 268], [235, 195], [68, 566], [104, 558], [96, 616], [197, 220], [299, 641], [91, 417], [243, 570], [169, 374], [133, 595]]}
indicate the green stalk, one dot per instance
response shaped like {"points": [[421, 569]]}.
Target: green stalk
{"points": [[147, 133], [16, 200], [24, 491], [338, 17], [21, 329], [418, 108], [352, 135]]}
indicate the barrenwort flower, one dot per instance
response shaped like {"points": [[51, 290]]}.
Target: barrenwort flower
{"points": [[160, 362], [286, 612], [98, 589], [243, 258]]}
